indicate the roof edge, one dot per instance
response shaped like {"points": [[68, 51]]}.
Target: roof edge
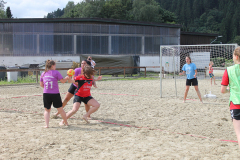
{"points": [[103, 20]]}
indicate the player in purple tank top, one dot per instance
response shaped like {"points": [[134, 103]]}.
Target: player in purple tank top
{"points": [[49, 81]]}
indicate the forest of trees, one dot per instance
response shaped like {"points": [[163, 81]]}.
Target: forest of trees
{"points": [[207, 16], [138, 10]]}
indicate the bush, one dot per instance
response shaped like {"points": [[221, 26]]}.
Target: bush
{"points": [[222, 62], [218, 62], [75, 65]]}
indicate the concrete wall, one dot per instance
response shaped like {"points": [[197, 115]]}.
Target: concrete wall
{"points": [[150, 61]]}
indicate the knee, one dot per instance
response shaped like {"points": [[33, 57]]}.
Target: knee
{"points": [[97, 105], [187, 89]]}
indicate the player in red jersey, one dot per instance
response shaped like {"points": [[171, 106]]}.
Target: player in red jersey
{"points": [[84, 83]]}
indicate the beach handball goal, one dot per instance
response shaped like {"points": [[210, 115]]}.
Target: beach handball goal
{"points": [[172, 59]]}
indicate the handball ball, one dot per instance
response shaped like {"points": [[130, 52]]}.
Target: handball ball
{"points": [[70, 72]]}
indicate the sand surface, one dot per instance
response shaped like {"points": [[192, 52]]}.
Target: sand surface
{"points": [[133, 122]]}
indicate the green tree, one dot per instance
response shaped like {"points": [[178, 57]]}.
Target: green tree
{"points": [[146, 10], [2, 12], [236, 40], [69, 10], [9, 13], [113, 9]]}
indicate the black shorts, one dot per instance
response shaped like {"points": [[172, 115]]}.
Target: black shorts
{"points": [[49, 99], [72, 89], [192, 82], [82, 99], [235, 114]]}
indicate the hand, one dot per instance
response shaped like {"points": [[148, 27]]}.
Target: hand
{"points": [[228, 88], [180, 74], [195, 75], [99, 78], [67, 77]]}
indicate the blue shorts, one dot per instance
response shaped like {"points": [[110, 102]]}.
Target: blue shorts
{"points": [[211, 75]]}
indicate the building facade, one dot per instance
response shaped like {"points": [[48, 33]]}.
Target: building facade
{"points": [[71, 37]]}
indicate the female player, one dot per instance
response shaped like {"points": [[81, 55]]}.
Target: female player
{"points": [[83, 94], [73, 87], [211, 72], [191, 71], [231, 77], [49, 81]]}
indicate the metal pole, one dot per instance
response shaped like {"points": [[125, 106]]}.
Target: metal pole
{"points": [[174, 73], [160, 72]]}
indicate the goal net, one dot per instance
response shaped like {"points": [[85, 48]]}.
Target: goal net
{"points": [[172, 59]]}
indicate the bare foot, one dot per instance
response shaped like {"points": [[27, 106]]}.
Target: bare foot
{"points": [[61, 123], [215, 83], [45, 126], [184, 101], [201, 101], [85, 119], [89, 118]]}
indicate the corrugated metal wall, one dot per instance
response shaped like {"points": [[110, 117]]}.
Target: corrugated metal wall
{"points": [[29, 39]]}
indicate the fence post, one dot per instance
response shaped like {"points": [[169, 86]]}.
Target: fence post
{"points": [[145, 71], [36, 76]]}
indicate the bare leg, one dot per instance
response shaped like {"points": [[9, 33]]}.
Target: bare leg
{"points": [[95, 105], [63, 114], [65, 101], [198, 93], [47, 116], [75, 108], [214, 80], [211, 81], [236, 125], [87, 108], [185, 94]]}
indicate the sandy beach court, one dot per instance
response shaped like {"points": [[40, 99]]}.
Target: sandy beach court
{"points": [[133, 122]]}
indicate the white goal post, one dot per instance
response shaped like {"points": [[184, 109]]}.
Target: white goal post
{"points": [[172, 59]]}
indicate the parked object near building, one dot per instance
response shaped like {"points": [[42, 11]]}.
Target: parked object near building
{"points": [[2, 74]]}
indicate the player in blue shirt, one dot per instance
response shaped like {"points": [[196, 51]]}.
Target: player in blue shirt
{"points": [[191, 71]]}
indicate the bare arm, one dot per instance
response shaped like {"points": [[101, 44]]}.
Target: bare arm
{"points": [[224, 89], [195, 75], [41, 84], [182, 73], [64, 79]]}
